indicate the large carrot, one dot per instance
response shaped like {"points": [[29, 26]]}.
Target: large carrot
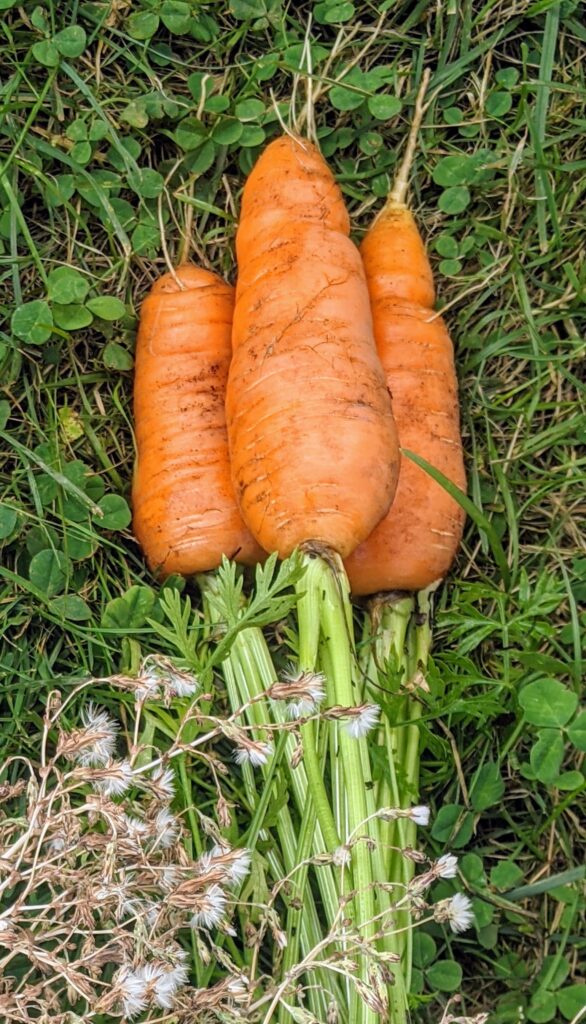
{"points": [[312, 439], [416, 542], [313, 445], [184, 511]]}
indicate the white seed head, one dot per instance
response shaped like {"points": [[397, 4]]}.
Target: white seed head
{"points": [[301, 708], [207, 861], [148, 686], [133, 990], [303, 691], [233, 864], [165, 989], [163, 783], [136, 829], [254, 752], [446, 866], [164, 980], [210, 908], [456, 911], [240, 866], [159, 987], [362, 721], [341, 857], [119, 891], [420, 815], [280, 938], [181, 684], [98, 739], [159, 677], [113, 780], [238, 986], [167, 828], [178, 965], [170, 877]]}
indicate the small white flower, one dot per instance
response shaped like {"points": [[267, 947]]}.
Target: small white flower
{"points": [[461, 913], [363, 721], [341, 857], [113, 780], [100, 738], [167, 828], [446, 866], [4, 926], [255, 753], [132, 990], [419, 815], [456, 911], [211, 907], [57, 845]]}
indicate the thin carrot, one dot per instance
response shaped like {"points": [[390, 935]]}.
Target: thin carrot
{"points": [[312, 439], [184, 511], [416, 542]]}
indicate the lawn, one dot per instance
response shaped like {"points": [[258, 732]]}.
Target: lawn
{"points": [[127, 126]]}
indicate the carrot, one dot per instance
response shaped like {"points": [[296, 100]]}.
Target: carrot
{"points": [[314, 452], [416, 542], [312, 440], [185, 515]]}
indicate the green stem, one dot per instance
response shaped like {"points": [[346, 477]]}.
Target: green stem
{"points": [[258, 674], [390, 622], [305, 842], [422, 646], [336, 624], [401, 867], [308, 604], [262, 804], [332, 752], [248, 672]]}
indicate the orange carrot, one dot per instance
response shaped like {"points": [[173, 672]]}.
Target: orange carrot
{"points": [[416, 542], [312, 439], [185, 513]]}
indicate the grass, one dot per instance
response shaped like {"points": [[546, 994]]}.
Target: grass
{"points": [[108, 137]]}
